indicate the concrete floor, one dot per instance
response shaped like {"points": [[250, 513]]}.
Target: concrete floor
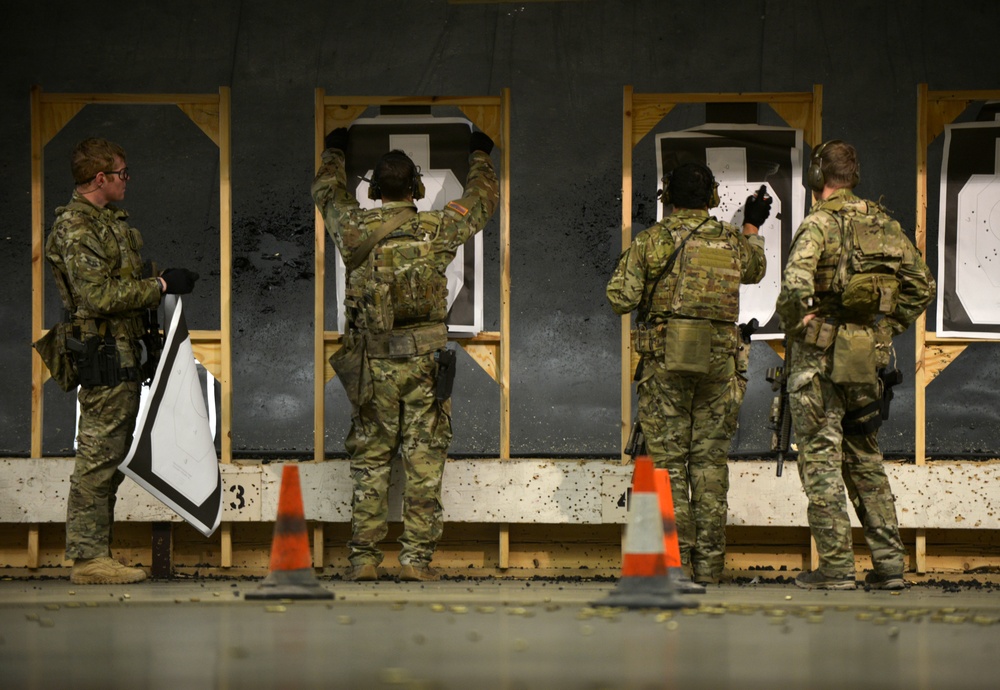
{"points": [[503, 634]]}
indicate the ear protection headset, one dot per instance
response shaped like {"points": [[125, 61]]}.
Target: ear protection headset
{"points": [[664, 194], [814, 175], [417, 189]]}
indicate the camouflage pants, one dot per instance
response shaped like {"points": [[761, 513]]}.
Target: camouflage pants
{"points": [[830, 462], [402, 416], [689, 421], [107, 420]]}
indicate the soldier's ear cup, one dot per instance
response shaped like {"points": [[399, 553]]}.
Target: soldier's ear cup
{"points": [[814, 175], [419, 191]]}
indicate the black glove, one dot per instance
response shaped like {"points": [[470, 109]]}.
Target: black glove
{"points": [[758, 207], [337, 139], [180, 281], [480, 141]]}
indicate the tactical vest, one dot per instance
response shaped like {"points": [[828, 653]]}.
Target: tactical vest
{"points": [[863, 279], [400, 283], [704, 282], [121, 245]]}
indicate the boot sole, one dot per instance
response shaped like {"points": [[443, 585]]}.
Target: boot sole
{"points": [[102, 580], [838, 585]]}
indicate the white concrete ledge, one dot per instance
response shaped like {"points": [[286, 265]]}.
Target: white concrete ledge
{"points": [[940, 495]]}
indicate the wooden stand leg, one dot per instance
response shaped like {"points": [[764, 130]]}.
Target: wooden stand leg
{"points": [[318, 545], [33, 538], [226, 547], [162, 550], [813, 554], [504, 547], [920, 551]]}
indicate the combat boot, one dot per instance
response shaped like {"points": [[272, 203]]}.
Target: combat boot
{"points": [[104, 571], [365, 572], [815, 579], [875, 581], [418, 573]]}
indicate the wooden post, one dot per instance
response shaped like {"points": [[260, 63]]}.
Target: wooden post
{"points": [[225, 273], [503, 562], [319, 305], [162, 550], [626, 236], [318, 539], [37, 260], [33, 550]]}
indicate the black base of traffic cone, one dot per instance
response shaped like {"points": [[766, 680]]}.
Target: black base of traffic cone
{"points": [[656, 592], [290, 584]]}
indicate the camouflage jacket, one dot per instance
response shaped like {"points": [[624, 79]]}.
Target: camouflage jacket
{"points": [[447, 229], [95, 257], [816, 250], [638, 281]]}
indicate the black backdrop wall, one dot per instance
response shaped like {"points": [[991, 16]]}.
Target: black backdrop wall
{"points": [[565, 63]]}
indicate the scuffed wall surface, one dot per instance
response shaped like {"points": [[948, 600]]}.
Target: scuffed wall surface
{"points": [[566, 64]]}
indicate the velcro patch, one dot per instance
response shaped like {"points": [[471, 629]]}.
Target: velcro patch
{"points": [[458, 208]]}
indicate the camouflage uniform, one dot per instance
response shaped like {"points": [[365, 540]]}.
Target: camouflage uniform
{"points": [[94, 254], [688, 417], [830, 460], [403, 414]]}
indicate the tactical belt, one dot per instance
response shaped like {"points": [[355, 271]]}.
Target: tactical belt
{"points": [[407, 342]]}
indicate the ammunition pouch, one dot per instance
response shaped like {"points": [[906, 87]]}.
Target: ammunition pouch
{"points": [[648, 340], [820, 332], [54, 349], [402, 343], [98, 362]]}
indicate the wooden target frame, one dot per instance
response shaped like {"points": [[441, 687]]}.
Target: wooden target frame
{"points": [[211, 113], [935, 110], [491, 350], [641, 112]]}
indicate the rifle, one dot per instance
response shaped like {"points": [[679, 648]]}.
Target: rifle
{"points": [[781, 415], [152, 341], [636, 441]]}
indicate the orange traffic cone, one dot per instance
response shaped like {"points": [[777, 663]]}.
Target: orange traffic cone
{"points": [[291, 575], [644, 582], [671, 547]]}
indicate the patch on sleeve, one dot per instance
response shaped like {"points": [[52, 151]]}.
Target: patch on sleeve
{"points": [[458, 208]]}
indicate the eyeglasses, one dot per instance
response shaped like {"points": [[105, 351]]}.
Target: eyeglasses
{"points": [[122, 174]]}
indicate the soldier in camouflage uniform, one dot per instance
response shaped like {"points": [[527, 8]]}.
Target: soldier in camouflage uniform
{"points": [[835, 346], [402, 412], [683, 277], [94, 255]]}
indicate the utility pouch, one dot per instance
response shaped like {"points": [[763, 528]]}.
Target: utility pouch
{"points": [[444, 382], [820, 333], [54, 349], [871, 293], [688, 345], [854, 356], [350, 363]]}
